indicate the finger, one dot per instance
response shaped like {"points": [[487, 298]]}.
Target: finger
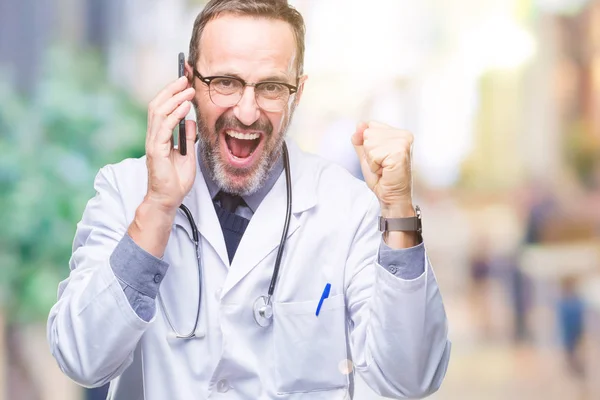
{"points": [[357, 137], [190, 129], [374, 159], [190, 135], [358, 140], [169, 91], [380, 125], [164, 110], [165, 132], [172, 103]]}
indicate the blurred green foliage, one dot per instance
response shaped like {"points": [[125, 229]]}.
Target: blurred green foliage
{"points": [[51, 147]]}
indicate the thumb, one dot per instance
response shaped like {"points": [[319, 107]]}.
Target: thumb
{"points": [[190, 133], [357, 138], [190, 138], [358, 142], [380, 125]]}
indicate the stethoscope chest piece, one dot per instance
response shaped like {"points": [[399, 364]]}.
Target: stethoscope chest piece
{"points": [[263, 311]]}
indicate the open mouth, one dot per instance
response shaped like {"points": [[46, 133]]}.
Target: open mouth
{"points": [[241, 145]]}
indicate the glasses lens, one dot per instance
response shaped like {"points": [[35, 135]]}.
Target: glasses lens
{"points": [[272, 96], [225, 92]]}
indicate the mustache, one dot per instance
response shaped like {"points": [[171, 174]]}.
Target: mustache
{"points": [[231, 122]]}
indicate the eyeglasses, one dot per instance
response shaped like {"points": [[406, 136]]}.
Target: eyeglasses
{"points": [[227, 91]]}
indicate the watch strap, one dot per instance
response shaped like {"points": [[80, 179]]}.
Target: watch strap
{"points": [[410, 224]]}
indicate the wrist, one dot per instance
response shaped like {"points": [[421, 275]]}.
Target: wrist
{"points": [[159, 205], [401, 225], [152, 216], [151, 227], [403, 209]]}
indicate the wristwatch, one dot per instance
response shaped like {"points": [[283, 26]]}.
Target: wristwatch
{"points": [[410, 224]]}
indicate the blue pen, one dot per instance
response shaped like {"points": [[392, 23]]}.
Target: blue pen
{"points": [[323, 297]]}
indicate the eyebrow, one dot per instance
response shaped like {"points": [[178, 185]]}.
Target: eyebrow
{"points": [[270, 78]]}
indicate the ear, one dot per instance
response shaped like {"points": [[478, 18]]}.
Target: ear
{"points": [[301, 81], [189, 73]]}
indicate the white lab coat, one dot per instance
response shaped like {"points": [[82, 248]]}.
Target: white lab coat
{"points": [[393, 330]]}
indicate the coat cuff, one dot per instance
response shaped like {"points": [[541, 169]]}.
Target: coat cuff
{"points": [[406, 264], [137, 268]]}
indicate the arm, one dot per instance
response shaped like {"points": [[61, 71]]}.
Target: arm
{"points": [[404, 263], [92, 329], [140, 285], [398, 327]]}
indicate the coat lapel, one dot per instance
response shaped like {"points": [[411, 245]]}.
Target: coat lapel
{"points": [[199, 202], [264, 231]]}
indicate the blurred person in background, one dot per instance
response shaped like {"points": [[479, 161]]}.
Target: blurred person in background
{"points": [[539, 205], [347, 296], [570, 310], [480, 287]]}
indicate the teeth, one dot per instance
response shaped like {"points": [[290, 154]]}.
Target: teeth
{"points": [[243, 136]]}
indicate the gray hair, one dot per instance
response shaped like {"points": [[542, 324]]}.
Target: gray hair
{"points": [[270, 9]]}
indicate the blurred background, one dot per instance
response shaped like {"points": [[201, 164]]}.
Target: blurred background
{"points": [[503, 97]]}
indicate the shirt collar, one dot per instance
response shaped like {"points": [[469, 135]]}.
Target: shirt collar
{"points": [[253, 200]]}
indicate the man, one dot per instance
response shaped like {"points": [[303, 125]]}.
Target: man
{"points": [[346, 296]]}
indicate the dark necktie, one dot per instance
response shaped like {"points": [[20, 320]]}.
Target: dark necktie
{"points": [[233, 225], [230, 202]]}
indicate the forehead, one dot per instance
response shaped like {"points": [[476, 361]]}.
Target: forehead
{"points": [[250, 46]]}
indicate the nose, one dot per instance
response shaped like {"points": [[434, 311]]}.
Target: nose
{"points": [[247, 111]]}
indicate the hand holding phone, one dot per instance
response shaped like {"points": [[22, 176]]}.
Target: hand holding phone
{"points": [[181, 132], [170, 175]]}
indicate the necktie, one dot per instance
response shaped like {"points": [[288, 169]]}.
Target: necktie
{"points": [[230, 202], [233, 225]]}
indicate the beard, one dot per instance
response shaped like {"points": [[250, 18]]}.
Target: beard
{"points": [[231, 179]]}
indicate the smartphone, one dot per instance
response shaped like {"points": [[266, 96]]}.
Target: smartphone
{"points": [[181, 133]]}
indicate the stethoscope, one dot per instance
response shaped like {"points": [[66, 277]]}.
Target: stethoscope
{"points": [[262, 307]]}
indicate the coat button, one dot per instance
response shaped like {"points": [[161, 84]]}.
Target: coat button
{"points": [[223, 386], [157, 278]]}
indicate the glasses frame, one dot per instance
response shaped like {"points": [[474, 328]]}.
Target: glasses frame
{"points": [[208, 79]]}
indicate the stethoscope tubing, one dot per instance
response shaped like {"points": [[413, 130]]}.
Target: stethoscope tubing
{"points": [[286, 226], [196, 240]]}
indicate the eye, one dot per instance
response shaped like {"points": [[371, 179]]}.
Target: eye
{"points": [[227, 85], [272, 89]]}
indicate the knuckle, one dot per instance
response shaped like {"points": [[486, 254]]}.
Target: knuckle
{"points": [[403, 146], [149, 149], [165, 125], [181, 111], [407, 135], [367, 134]]}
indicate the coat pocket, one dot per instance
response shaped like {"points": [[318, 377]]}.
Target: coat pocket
{"points": [[309, 349]]}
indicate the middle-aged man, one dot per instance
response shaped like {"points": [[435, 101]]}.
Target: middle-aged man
{"points": [[160, 318]]}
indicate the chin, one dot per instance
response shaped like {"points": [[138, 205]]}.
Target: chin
{"points": [[241, 182]]}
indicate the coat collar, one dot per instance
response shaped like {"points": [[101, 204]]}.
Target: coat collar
{"points": [[264, 231], [253, 200]]}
